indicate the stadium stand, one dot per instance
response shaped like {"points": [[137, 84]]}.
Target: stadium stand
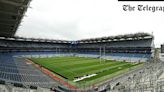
{"points": [[17, 75], [15, 69], [135, 47], [131, 47], [15, 44]]}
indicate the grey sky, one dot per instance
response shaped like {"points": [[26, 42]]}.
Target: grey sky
{"points": [[79, 19]]}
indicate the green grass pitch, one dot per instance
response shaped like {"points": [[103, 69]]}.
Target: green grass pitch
{"points": [[71, 67]]}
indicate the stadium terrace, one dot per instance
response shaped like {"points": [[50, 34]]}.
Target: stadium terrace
{"points": [[86, 65], [121, 51], [122, 44]]}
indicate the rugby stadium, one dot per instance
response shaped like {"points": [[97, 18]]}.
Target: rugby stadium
{"points": [[122, 63]]}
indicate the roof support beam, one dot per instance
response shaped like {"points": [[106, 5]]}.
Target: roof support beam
{"points": [[7, 32], [6, 24], [9, 20], [10, 13], [12, 3]]}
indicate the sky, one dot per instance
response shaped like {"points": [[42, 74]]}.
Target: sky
{"points": [[80, 19]]}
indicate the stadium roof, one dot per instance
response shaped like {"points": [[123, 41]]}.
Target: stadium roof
{"points": [[34, 40], [136, 36], [11, 14]]}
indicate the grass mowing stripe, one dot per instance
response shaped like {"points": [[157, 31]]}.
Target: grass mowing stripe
{"points": [[110, 71], [54, 59], [47, 63], [51, 62], [72, 63], [81, 73], [53, 68], [77, 65], [64, 62], [84, 72], [89, 65], [99, 67], [94, 67]]}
